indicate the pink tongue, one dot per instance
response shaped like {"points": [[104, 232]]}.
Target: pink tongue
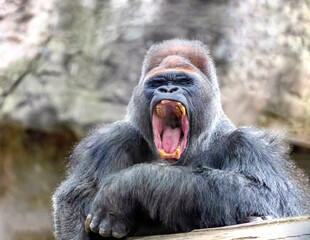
{"points": [[171, 139]]}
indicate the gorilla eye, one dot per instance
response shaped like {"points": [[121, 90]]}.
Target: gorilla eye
{"points": [[183, 80], [156, 82]]}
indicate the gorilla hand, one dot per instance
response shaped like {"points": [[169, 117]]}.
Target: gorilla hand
{"points": [[110, 214]]}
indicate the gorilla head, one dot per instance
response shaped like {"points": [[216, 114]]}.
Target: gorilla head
{"points": [[176, 99]]}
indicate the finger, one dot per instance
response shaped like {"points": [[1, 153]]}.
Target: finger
{"points": [[119, 230], [105, 228], [94, 224], [87, 222]]}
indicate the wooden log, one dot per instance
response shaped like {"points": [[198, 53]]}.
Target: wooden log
{"points": [[297, 228]]}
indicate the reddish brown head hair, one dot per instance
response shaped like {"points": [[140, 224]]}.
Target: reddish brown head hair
{"points": [[180, 54]]}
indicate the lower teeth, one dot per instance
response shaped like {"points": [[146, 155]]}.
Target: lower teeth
{"points": [[164, 155]]}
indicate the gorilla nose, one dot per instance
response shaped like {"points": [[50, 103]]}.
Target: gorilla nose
{"points": [[171, 89]]}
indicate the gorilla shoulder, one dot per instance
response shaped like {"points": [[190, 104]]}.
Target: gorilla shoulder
{"points": [[110, 148]]}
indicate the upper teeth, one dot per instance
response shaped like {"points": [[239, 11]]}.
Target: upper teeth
{"points": [[179, 109]]}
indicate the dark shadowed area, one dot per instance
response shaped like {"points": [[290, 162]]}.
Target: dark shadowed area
{"points": [[67, 66]]}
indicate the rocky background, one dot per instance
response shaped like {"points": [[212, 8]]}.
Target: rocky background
{"points": [[68, 65]]}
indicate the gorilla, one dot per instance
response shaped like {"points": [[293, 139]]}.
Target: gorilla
{"points": [[176, 162]]}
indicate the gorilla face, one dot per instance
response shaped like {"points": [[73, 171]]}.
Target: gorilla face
{"points": [[170, 119], [171, 95]]}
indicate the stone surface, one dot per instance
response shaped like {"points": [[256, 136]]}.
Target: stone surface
{"points": [[73, 64]]}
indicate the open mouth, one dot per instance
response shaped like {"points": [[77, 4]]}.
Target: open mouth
{"points": [[170, 126]]}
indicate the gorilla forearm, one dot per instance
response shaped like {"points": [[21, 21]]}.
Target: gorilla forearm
{"points": [[220, 208], [71, 203], [180, 198]]}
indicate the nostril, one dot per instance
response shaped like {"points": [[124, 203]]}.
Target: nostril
{"points": [[173, 90], [163, 90]]}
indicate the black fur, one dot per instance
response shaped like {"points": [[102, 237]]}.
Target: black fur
{"points": [[225, 175]]}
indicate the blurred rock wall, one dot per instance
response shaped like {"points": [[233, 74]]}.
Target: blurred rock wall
{"points": [[68, 64]]}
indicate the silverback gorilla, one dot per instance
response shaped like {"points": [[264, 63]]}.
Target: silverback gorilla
{"points": [[176, 162]]}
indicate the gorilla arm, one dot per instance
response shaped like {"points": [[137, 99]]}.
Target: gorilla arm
{"points": [[184, 198], [105, 151], [179, 198]]}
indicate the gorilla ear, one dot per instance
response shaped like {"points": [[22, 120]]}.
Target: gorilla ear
{"points": [[179, 53]]}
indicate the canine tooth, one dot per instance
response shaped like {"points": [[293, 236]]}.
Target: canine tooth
{"points": [[182, 108], [161, 153], [177, 152], [163, 101], [159, 111]]}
